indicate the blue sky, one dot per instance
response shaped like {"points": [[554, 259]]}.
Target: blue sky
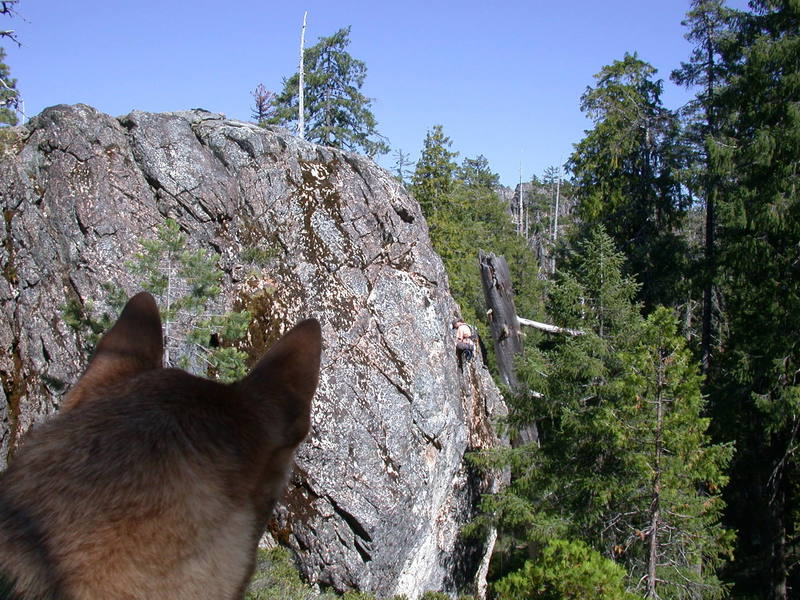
{"points": [[504, 78]]}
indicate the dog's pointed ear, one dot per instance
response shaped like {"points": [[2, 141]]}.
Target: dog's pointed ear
{"points": [[286, 379], [133, 345]]}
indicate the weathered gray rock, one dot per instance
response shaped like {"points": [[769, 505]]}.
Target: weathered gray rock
{"points": [[382, 486]]}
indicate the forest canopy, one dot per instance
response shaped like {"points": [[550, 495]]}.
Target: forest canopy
{"points": [[668, 432]]}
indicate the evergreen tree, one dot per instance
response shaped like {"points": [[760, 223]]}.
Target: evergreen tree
{"points": [[476, 173], [434, 177], [564, 571], [336, 112], [677, 500], [625, 463], [756, 381], [465, 215], [539, 203], [625, 172], [709, 23], [262, 104], [185, 283], [547, 218], [9, 96]]}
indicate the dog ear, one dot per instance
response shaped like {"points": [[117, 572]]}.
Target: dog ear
{"points": [[133, 345], [286, 379]]}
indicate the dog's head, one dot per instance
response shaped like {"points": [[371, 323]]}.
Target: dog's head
{"points": [[178, 471], [284, 380]]}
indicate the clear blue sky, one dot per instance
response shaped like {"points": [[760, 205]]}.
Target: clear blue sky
{"points": [[504, 78]]}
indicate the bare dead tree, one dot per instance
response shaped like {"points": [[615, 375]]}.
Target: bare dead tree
{"points": [[301, 122], [7, 8], [505, 326], [402, 165], [263, 108], [548, 328]]}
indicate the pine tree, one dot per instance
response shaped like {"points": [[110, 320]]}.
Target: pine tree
{"points": [[676, 504], [625, 173], [625, 463], [756, 383], [402, 165], [185, 283], [465, 215], [336, 113], [434, 177], [476, 173], [565, 570], [9, 96], [262, 104], [709, 23]]}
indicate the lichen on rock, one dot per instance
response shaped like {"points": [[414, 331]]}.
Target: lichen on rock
{"points": [[382, 485]]}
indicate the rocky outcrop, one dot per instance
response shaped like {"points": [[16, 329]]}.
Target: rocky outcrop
{"points": [[382, 485]]}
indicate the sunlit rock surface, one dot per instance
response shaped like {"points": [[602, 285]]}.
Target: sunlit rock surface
{"points": [[382, 486]]}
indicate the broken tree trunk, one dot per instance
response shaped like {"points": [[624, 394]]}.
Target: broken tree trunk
{"points": [[301, 114], [503, 321]]}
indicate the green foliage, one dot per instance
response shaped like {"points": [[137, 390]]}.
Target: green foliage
{"points": [[434, 177], [624, 454], [706, 147], [84, 320], [336, 112], [475, 173], [680, 504], [465, 215], [546, 216], [9, 96], [402, 165], [276, 578], [79, 317], [755, 387], [354, 595], [259, 256], [565, 570], [185, 283], [625, 173]]}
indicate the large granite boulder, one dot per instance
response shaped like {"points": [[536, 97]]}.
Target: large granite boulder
{"points": [[382, 486]]}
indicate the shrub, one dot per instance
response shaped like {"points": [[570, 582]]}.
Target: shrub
{"points": [[277, 578], [565, 570]]}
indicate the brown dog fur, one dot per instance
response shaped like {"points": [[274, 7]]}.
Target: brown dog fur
{"points": [[152, 483]]}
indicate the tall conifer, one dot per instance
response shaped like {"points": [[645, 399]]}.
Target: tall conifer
{"points": [[434, 177], [336, 112], [625, 463], [756, 385], [710, 31], [625, 172]]}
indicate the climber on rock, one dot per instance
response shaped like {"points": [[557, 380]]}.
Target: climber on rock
{"points": [[465, 344]]}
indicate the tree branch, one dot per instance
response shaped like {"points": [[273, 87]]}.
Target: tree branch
{"points": [[549, 328]]}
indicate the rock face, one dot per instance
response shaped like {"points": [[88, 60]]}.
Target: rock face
{"points": [[382, 486]]}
